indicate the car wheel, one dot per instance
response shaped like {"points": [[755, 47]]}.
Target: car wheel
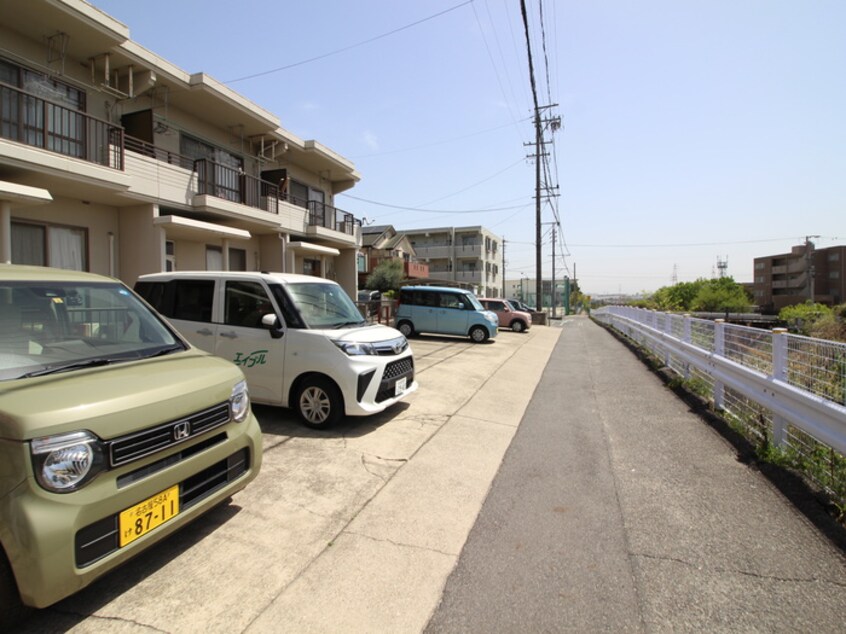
{"points": [[478, 334], [517, 326], [319, 402], [406, 329], [12, 609]]}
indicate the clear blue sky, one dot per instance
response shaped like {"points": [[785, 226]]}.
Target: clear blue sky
{"points": [[692, 130]]}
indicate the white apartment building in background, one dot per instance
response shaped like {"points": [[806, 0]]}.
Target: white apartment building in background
{"points": [[471, 256], [115, 161]]}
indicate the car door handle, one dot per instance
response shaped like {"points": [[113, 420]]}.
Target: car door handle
{"points": [[204, 331], [229, 335]]}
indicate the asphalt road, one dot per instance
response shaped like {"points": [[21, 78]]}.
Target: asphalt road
{"points": [[618, 509]]}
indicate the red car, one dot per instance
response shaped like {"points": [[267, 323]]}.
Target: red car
{"points": [[517, 320]]}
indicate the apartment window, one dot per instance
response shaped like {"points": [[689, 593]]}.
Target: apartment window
{"points": [[362, 263], [222, 177], [22, 117], [50, 245], [834, 275], [311, 267], [237, 260], [298, 193], [834, 256], [214, 258], [759, 266], [170, 256]]}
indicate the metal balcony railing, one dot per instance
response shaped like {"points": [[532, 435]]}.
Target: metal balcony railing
{"points": [[226, 182], [153, 151], [31, 120], [323, 215]]}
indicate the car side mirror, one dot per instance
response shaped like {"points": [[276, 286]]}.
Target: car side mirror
{"points": [[271, 322]]}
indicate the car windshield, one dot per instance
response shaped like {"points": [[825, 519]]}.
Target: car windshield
{"points": [[323, 306], [63, 326], [474, 301]]}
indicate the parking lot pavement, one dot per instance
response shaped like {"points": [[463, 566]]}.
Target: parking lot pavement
{"points": [[354, 529]]}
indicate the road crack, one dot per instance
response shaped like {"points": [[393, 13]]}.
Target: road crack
{"points": [[737, 571]]}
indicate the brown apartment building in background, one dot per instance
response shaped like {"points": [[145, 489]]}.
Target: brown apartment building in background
{"points": [[804, 274]]}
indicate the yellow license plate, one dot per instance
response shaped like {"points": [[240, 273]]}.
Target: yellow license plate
{"points": [[144, 517]]}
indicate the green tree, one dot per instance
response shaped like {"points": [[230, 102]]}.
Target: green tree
{"points": [[721, 294], [803, 318], [715, 295], [387, 276], [676, 297]]}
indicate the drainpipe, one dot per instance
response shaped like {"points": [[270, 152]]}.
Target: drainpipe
{"points": [[225, 254], [111, 254], [284, 241], [6, 231]]}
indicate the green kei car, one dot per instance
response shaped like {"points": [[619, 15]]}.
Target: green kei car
{"points": [[114, 432]]}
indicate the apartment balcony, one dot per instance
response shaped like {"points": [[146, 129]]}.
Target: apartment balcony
{"points": [[433, 251], [797, 266], [323, 216], [49, 133], [28, 119], [470, 276], [473, 251]]}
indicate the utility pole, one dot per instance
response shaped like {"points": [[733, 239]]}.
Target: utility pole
{"points": [[810, 269], [552, 294], [504, 295]]}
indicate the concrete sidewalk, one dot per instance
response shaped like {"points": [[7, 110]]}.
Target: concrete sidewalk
{"points": [[386, 569], [618, 509]]}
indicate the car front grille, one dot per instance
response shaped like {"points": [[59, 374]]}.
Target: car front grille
{"points": [[396, 369], [134, 446], [393, 371], [101, 538]]}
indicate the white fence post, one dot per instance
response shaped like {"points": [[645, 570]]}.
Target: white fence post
{"points": [[686, 339], [780, 374], [668, 328], [720, 351]]}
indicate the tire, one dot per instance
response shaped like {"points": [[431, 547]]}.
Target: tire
{"points": [[319, 403], [406, 329], [478, 334], [518, 326], [12, 609]]}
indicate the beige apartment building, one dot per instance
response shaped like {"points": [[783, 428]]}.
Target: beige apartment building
{"points": [[115, 161], [470, 256]]}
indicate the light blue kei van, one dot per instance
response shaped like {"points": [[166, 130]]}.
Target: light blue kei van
{"points": [[443, 310]]}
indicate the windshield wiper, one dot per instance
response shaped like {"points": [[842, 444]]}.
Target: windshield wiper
{"points": [[158, 353], [346, 324], [76, 365]]}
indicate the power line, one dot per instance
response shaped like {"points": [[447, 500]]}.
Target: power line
{"points": [[443, 142], [433, 211], [351, 46], [476, 184], [683, 244]]}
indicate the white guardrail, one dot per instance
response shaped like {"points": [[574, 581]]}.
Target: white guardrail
{"points": [[788, 379]]}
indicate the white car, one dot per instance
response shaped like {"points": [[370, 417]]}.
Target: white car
{"points": [[299, 339]]}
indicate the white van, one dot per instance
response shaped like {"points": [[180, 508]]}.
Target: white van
{"points": [[300, 340]]}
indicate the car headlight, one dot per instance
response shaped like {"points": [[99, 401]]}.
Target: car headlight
{"points": [[66, 462], [355, 348], [239, 402]]}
